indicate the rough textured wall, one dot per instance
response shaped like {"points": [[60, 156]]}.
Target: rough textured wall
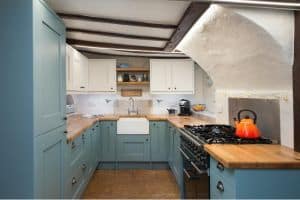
{"points": [[247, 53]]}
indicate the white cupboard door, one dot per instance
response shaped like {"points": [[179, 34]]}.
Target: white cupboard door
{"points": [[79, 71], [183, 77], [102, 75], [84, 78], [69, 74], [160, 76], [112, 80]]}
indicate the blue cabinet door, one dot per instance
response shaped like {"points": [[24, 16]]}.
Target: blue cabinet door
{"points": [[159, 141], [171, 146], [178, 167], [108, 141], [49, 70], [49, 164], [133, 148]]}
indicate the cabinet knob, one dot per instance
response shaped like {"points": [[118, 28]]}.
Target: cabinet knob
{"points": [[74, 181], [147, 140], [82, 87], [169, 88], [220, 166], [83, 166], [111, 88], [65, 118], [93, 129], [220, 186], [175, 88], [66, 132]]}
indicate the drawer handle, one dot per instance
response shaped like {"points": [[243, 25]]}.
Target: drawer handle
{"points": [[73, 145], [220, 186], [184, 154], [82, 87], [74, 181], [220, 166], [83, 166]]}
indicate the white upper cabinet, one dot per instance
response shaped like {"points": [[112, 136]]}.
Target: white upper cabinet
{"points": [[77, 71], [102, 75], [172, 76]]}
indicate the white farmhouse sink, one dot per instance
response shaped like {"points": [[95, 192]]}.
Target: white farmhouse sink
{"points": [[132, 125]]}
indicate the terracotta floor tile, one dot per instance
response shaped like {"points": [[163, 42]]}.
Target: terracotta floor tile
{"points": [[132, 184]]}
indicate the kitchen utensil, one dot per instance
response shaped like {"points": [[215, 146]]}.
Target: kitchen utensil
{"points": [[171, 111], [246, 127], [132, 78], [120, 78], [125, 77]]}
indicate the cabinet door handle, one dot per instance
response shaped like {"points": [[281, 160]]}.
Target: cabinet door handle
{"points": [[73, 145], [220, 186], [74, 181], [220, 166], [82, 87], [65, 131]]}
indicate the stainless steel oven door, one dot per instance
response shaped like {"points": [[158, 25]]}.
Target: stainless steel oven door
{"points": [[196, 181]]}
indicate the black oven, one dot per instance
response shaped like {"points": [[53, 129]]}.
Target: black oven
{"points": [[195, 170]]}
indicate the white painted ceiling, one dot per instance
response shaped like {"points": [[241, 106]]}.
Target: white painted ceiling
{"points": [[149, 11]]}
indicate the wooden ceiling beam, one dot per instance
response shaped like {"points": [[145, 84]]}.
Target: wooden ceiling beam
{"points": [[190, 16], [116, 21], [140, 56], [112, 45], [121, 35]]}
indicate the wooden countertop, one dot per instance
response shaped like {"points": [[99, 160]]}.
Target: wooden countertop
{"points": [[254, 156], [76, 124]]}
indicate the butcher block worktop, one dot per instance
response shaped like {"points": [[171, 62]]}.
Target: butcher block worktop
{"points": [[76, 124], [251, 156]]}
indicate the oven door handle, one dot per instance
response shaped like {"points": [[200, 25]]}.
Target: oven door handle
{"points": [[184, 154], [189, 137], [198, 170], [187, 174]]}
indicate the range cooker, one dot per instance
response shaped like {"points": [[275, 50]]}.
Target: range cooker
{"points": [[196, 160]]}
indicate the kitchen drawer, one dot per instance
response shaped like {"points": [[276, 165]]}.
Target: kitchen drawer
{"points": [[74, 181], [75, 149], [220, 188], [217, 169]]}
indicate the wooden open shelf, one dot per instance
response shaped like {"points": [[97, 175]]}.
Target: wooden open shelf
{"points": [[133, 69], [134, 83]]}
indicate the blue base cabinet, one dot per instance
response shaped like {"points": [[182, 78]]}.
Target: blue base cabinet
{"points": [[159, 141], [108, 140], [49, 164], [133, 148], [253, 183]]}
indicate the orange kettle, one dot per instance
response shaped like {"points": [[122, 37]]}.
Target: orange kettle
{"points": [[246, 127]]}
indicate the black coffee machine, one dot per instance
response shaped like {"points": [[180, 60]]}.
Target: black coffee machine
{"points": [[184, 108]]}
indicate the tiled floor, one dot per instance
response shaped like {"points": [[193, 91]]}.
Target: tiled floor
{"points": [[132, 184]]}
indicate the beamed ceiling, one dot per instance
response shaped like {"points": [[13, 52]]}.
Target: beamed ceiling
{"points": [[148, 28]]}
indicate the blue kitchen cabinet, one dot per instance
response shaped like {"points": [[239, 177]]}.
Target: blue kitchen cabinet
{"points": [[171, 146], [253, 183], [49, 70], [133, 148], [49, 164], [159, 141], [108, 141], [33, 103], [177, 159]]}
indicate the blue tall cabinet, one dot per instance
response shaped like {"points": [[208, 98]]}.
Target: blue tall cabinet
{"points": [[32, 101]]}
